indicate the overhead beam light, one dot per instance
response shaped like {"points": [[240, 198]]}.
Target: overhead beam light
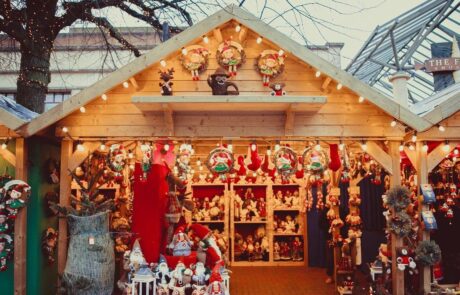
{"points": [[238, 28], [339, 86], [317, 74], [184, 51], [205, 39], [83, 109], [364, 145], [259, 40], [393, 123], [341, 145], [317, 146], [80, 146], [425, 147], [361, 99], [65, 129], [163, 63], [441, 128], [446, 146], [125, 84], [401, 147], [414, 136]]}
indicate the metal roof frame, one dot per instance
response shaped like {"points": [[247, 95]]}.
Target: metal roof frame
{"points": [[395, 45]]}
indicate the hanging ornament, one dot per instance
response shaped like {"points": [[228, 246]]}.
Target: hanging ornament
{"points": [[146, 150], [220, 161], [285, 160], [315, 163], [117, 161], [183, 160], [195, 60], [230, 55], [270, 64]]}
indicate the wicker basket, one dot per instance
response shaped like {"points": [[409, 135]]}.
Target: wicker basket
{"points": [[90, 266]]}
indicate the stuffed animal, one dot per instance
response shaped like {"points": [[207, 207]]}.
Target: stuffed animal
{"points": [[166, 84], [277, 89], [404, 260]]}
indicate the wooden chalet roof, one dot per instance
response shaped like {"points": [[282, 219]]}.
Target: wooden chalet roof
{"points": [[13, 115]]}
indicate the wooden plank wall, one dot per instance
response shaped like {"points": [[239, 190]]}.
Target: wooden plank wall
{"points": [[341, 116]]}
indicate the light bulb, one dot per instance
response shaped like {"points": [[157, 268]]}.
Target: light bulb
{"points": [[80, 147], [318, 147], [253, 147], [441, 128], [401, 147], [277, 147], [339, 86], [163, 63], [205, 39], [184, 51], [455, 152], [412, 147], [361, 99], [65, 129], [364, 146], [130, 155], [414, 137], [4, 146], [230, 147], [259, 40], [166, 147], [341, 146], [281, 52], [425, 147], [210, 175], [198, 162], [200, 168], [237, 28], [102, 147], [104, 96], [192, 171], [446, 147], [317, 74], [125, 84], [269, 152], [131, 166], [254, 174], [393, 123], [82, 109]]}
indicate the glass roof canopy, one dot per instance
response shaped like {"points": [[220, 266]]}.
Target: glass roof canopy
{"points": [[408, 38]]}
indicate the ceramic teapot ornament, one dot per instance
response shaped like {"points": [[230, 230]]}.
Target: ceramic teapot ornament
{"points": [[219, 83]]}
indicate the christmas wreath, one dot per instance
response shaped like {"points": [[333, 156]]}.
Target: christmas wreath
{"points": [[270, 64], [398, 198], [230, 55], [400, 224], [220, 161], [428, 253], [285, 160], [195, 59]]}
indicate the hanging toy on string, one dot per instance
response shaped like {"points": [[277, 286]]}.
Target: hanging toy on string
{"points": [[195, 60], [230, 55], [255, 161], [146, 150], [183, 161], [117, 161], [166, 83], [270, 64], [285, 160], [14, 193], [315, 163], [220, 161]]}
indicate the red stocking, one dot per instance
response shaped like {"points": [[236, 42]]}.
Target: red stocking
{"points": [[149, 208], [334, 165]]}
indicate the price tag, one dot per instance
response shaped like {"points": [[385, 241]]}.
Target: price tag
{"points": [[91, 240]]}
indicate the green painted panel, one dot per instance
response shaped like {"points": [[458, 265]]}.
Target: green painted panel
{"points": [[7, 277]]}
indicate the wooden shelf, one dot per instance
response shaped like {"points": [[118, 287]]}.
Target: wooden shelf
{"points": [[209, 221], [252, 263], [237, 103], [250, 222], [286, 209], [286, 235]]}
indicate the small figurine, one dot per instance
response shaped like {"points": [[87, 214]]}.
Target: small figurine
{"points": [[288, 199], [295, 199], [285, 251], [276, 251], [166, 85], [297, 249], [163, 277], [4, 253], [404, 260], [49, 240], [3, 224], [290, 225], [277, 89], [216, 287], [176, 284], [219, 84], [181, 244], [136, 257]]}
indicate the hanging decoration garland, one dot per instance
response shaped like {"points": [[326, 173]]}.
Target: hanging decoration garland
{"points": [[220, 161], [230, 55], [270, 64], [285, 160], [12, 197], [195, 60], [428, 253], [398, 198], [315, 164]]}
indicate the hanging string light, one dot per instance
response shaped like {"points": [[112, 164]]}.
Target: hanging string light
{"points": [[441, 128], [65, 129], [259, 40], [364, 145], [361, 99], [317, 74], [393, 123], [339, 86], [80, 146], [205, 39], [238, 28], [104, 97], [446, 147], [184, 51], [163, 63], [103, 146], [341, 145], [414, 136], [125, 84], [425, 146], [82, 109], [317, 146], [401, 146]]}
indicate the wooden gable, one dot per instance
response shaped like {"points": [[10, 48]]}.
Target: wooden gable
{"points": [[313, 105]]}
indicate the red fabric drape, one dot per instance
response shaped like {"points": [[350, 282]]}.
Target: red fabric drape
{"points": [[149, 208]]}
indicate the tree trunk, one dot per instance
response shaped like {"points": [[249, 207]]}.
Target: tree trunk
{"points": [[34, 76]]}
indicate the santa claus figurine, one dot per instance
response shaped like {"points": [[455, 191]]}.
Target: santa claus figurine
{"points": [[181, 244], [199, 279], [207, 244], [216, 287], [163, 277], [177, 283]]}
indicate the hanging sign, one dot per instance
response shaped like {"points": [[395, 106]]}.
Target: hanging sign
{"points": [[447, 64]]}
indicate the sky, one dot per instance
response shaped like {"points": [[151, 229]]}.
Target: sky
{"points": [[312, 22]]}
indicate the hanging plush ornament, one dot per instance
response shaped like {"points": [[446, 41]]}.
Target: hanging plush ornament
{"points": [[146, 150], [270, 64], [285, 160], [404, 260], [183, 160], [230, 55], [254, 158], [220, 161], [166, 83], [195, 59], [315, 163], [117, 161]]}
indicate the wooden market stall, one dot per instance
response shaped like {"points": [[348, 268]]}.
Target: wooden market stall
{"points": [[322, 104]]}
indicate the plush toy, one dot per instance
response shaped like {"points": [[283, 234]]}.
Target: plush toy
{"points": [[181, 244], [166, 84], [277, 89], [3, 224], [219, 84], [404, 260], [49, 241], [216, 287]]}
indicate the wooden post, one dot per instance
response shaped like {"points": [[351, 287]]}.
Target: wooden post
{"points": [[20, 225], [396, 242], [64, 200], [422, 177]]}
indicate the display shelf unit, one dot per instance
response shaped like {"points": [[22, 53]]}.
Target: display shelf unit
{"points": [[267, 191]]}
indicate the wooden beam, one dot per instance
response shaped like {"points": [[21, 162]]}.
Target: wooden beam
{"points": [[218, 35], [326, 83], [412, 155], [79, 156], [243, 34], [289, 123], [20, 224], [438, 154], [169, 120], [396, 242], [134, 82], [422, 178], [64, 200], [8, 156], [380, 156]]}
